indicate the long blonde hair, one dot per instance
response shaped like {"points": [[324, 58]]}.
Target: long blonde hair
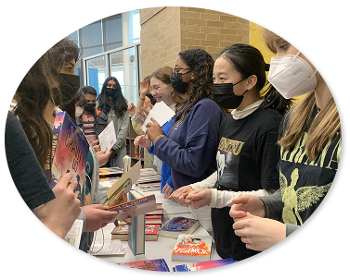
{"points": [[324, 127]]}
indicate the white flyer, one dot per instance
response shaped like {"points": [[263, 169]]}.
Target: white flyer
{"points": [[161, 113], [108, 247], [107, 137], [74, 235]]}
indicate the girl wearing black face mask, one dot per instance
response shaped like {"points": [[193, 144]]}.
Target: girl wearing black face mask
{"points": [[189, 148], [112, 102], [247, 155]]}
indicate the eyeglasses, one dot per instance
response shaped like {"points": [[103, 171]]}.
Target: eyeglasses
{"points": [[178, 69]]}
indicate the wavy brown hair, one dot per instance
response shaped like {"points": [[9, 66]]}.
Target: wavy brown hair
{"points": [[323, 128], [32, 96], [163, 74], [202, 64]]}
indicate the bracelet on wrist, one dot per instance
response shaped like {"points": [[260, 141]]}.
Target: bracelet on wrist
{"points": [[158, 137], [142, 98]]}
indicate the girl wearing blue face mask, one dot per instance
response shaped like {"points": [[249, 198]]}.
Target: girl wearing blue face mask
{"points": [[310, 147], [247, 154], [112, 102]]}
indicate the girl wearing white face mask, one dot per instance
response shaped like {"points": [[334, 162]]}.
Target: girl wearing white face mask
{"points": [[310, 143]]}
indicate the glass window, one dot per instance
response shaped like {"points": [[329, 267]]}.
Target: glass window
{"points": [[124, 69], [136, 26], [96, 72], [112, 32], [91, 39]]}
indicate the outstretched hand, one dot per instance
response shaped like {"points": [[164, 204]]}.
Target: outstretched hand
{"points": [[200, 198], [180, 195], [142, 141], [259, 233], [247, 203]]}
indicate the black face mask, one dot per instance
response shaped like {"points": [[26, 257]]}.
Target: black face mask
{"points": [[69, 85], [177, 83], [111, 91], [225, 97], [90, 107], [153, 100]]}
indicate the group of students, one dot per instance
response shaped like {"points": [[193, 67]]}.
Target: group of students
{"points": [[262, 169], [256, 173]]}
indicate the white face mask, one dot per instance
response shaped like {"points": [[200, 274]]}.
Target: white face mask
{"points": [[292, 76], [78, 111]]}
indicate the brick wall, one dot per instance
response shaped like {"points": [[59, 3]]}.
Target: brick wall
{"points": [[165, 31]]}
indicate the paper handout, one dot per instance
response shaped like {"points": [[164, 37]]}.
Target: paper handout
{"points": [[124, 184], [107, 137], [161, 113]]}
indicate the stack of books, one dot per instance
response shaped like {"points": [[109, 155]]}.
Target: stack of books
{"points": [[149, 180], [153, 222]]}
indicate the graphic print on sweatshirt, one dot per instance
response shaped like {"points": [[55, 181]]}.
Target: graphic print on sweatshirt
{"points": [[305, 183], [228, 162]]}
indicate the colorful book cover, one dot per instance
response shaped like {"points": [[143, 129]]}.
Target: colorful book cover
{"points": [[202, 265], [180, 225], [134, 207], [192, 248], [121, 229], [121, 232], [153, 265], [69, 150]]}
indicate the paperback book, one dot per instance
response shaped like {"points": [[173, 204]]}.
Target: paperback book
{"points": [[134, 207], [152, 219], [179, 225], [116, 194], [192, 248], [121, 232], [136, 232], [69, 151], [202, 265], [153, 265]]}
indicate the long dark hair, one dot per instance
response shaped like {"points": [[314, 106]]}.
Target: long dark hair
{"points": [[202, 65], [118, 104], [248, 61], [32, 96]]}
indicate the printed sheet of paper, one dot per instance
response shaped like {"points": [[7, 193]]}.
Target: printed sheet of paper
{"points": [[107, 137], [108, 247], [74, 235], [161, 113], [133, 174]]}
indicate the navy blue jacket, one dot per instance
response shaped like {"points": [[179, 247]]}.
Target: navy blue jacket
{"points": [[190, 147]]}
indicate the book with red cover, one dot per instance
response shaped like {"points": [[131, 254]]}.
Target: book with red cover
{"points": [[151, 232], [192, 248], [154, 219], [121, 232], [153, 265], [134, 207], [69, 150]]}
